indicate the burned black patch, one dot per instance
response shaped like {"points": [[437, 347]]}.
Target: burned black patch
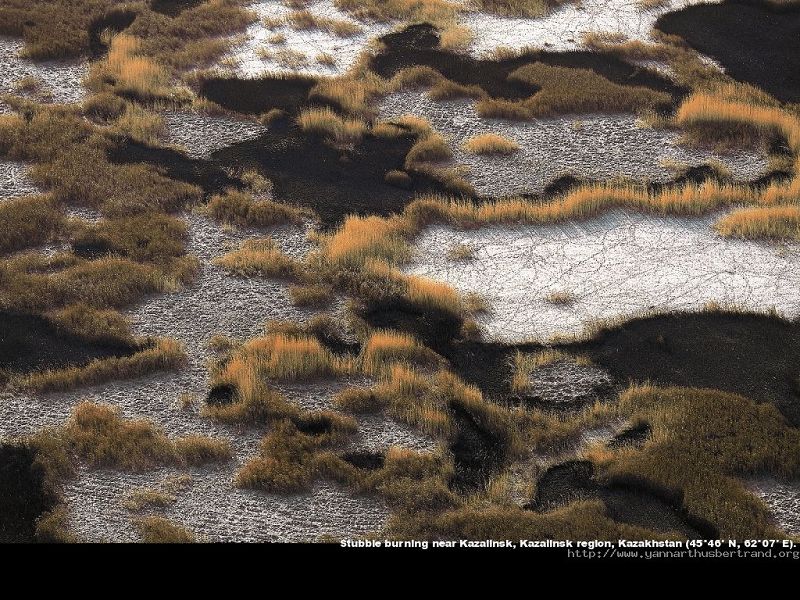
{"points": [[23, 494], [258, 95], [366, 461], [477, 454], [332, 182], [757, 42], [30, 343], [414, 46], [631, 502], [313, 424], [222, 394], [175, 165], [172, 8], [754, 355]]}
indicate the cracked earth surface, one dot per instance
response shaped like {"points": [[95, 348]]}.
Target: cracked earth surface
{"points": [[245, 59], [591, 146], [61, 79], [618, 265], [564, 28]]}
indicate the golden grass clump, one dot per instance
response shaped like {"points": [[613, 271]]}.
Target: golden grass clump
{"points": [[128, 72], [384, 348], [706, 110], [305, 19], [349, 93], [778, 222], [254, 404], [101, 437], [281, 356], [588, 201], [312, 294], [702, 441], [429, 148], [433, 294], [491, 143], [570, 90], [359, 239], [455, 37], [327, 123], [154, 529], [244, 210], [258, 258]]}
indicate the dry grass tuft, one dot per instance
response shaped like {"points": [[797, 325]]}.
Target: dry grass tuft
{"points": [[491, 143], [101, 437], [325, 122], [259, 258], [242, 209], [159, 530]]}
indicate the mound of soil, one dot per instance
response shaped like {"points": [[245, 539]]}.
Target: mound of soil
{"points": [[625, 503], [30, 343], [419, 45], [334, 183], [755, 41], [258, 95], [23, 498], [757, 356]]}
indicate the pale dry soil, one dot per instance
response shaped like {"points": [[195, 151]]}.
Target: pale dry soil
{"points": [[618, 265], [592, 146], [300, 47], [61, 80]]}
